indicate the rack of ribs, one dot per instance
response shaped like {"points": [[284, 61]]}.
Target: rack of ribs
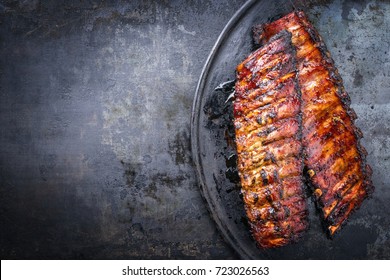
{"points": [[334, 159], [267, 122]]}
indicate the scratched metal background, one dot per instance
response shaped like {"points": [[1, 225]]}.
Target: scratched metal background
{"points": [[95, 107]]}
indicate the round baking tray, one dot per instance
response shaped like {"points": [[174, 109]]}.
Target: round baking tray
{"points": [[213, 147]]}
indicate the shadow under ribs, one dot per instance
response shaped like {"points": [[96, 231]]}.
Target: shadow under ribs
{"points": [[269, 146], [338, 173]]}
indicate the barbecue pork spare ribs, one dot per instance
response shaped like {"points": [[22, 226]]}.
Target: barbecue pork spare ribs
{"points": [[293, 123]]}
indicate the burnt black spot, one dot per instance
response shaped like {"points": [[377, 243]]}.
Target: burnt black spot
{"points": [[216, 107], [275, 172], [230, 190], [338, 196], [268, 195], [281, 193], [270, 129], [272, 115], [286, 211], [264, 177], [255, 198], [232, 175], [231, 161]]}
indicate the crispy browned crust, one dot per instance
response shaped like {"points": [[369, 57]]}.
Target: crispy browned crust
{"points": [[268, 138], [339, 175]]}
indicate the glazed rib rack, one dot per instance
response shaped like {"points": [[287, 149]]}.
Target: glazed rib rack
{"points": [[291, 110], [268, 139]]}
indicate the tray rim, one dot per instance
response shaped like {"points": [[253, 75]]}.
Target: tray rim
{"points": [[194, 133]]}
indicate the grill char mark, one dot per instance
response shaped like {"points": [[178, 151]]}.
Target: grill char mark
{"points": [[268, 139]]}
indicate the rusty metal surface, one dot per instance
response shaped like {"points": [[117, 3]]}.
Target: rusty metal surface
{"points": [[95, 105]]}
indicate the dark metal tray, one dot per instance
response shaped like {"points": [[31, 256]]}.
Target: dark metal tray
{"points": [[347, 29]]}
